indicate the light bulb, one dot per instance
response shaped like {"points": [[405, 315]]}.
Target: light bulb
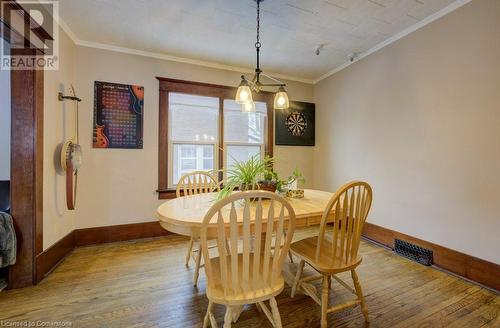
{"points": [[248, 107], [281, 99], [244, 95]]}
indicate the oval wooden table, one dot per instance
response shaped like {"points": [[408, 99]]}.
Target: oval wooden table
{"points": [[184, 215]]}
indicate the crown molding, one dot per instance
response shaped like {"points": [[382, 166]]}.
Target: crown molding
{"points": [[429, 19], [66, 29], [184, 60], [162, 56], [446, 10]]}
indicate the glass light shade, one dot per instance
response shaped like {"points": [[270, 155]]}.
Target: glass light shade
{"points": [[281, 99], [248, 107], [244, 94]]}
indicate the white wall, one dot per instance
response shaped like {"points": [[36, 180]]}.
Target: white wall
{"points": [[58, 127], [4, 121], [117, 186], [420, 121]]}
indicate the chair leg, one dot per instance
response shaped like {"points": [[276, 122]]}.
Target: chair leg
{"points": [[207, 315], [197, 269], [359, 292], [213, 322], [324, 302], [276, 313], [190, 250], [290, 256], [236, 312], [329, 282], [228, 317], [300, 269]]}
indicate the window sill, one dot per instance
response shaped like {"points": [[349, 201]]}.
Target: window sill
{"points": [[166, 193]]}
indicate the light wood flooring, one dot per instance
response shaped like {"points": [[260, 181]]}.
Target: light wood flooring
{"points": [[144, 283]]}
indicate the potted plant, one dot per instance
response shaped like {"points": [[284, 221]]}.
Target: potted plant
{"points": [[270, 181], [257, 173], [245, 175], [293, 190]]}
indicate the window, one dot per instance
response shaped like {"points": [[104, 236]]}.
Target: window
{"points": [[193, 133], [203, 129], [244, 132]]}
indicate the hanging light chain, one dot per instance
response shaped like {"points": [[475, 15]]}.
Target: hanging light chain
{"points": [[257, 44], [245, 89]]}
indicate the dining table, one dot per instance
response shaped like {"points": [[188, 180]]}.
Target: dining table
{"points": [[184, 215]]}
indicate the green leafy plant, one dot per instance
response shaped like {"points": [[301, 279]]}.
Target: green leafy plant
{"points": [[296, 176], [255, 173], [245, 175]]}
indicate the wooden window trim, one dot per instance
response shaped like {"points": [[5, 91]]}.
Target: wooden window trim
{"points": [[222, 92]]}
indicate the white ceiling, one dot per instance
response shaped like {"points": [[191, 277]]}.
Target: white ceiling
{"points": [[223, 31]]}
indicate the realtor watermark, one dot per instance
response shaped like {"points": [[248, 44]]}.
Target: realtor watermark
{"points": [[38, 323], [32, 36]]}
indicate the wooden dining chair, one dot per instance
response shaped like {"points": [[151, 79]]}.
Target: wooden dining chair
{"points": [[253, 219], [197, 182], [335, 251]]}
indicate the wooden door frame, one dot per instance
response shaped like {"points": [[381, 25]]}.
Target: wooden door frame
{"points": [[26, 165]]}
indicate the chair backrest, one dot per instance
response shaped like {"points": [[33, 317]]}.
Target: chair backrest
{"points": [[197, 182], [261, 218], [349, 207]]}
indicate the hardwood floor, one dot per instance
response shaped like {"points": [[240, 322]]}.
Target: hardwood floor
{"points": [[144, 283]]}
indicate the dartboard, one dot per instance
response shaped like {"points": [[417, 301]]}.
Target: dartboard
{"points": [[296, 124]]}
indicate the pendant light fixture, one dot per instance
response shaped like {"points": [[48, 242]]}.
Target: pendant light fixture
{"points": [[245, 89]]}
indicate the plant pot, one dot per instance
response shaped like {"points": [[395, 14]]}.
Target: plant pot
{"points": [[295, 193], [267, 186]]}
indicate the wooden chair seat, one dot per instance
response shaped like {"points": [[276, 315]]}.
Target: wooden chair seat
{"points": [[305, 249], [215, 290]]}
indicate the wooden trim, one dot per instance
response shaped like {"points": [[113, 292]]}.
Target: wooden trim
{"points": [[26, 172], [50, 258], [26, 158], [470, 267], [38, 161], [191, 83], [167, 85], [163, 145], [109, 234]]}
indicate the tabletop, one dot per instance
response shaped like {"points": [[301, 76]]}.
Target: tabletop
{"points": [[184, 215]]}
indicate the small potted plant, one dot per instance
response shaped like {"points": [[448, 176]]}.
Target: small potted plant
{"points": [[293, 190], [270, 179]]}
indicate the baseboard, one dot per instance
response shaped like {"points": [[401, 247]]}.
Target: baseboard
{"points": [[467, 266], [122, 232], [52, 256], [470, 267]]}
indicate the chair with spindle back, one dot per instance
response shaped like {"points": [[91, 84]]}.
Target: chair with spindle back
{"points": [[253, 275], [197, 182], [335, 251]]}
